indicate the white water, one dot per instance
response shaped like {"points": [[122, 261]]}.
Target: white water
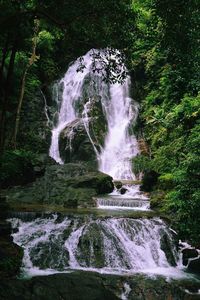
{"points": [[72, 84], [109, 245], [86, 121], [122, 203], [120, 145], [119, 109]]}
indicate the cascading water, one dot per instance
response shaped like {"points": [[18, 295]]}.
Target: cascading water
{"points": [[112, 245], [120, 111], [71, 85], [120, 145]]}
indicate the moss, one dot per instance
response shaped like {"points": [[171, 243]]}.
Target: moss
{"points": [[166, 181], [157, 199]]}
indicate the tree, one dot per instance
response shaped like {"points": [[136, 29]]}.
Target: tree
{"points": [[31, 61]]}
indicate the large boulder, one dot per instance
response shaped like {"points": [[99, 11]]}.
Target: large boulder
{"points": [[194, 265], [84, 136], [188, 253], [70, 185], [74, 143], [167, 246]]}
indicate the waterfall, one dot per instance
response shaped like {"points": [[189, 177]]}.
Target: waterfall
{"points": [[120, 145], [115, 245], [72, 87]]}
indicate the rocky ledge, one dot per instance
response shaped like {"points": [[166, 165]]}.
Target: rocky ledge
{"points": [[70, 185], [92, 286]]}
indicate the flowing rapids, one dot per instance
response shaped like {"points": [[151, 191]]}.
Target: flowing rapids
{"points": [[114, 245], [120, 111]]}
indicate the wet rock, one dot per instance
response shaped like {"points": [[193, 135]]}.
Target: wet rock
{"points": [[167, 246], [118, 184], [187, 254], [10, 257], [123, 190], [194, 265], [43, 253], [91, 239], [74, 143]]}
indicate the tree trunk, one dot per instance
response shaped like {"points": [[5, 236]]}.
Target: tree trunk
{"points": [[4, 55], [21, 96], [32, 59], [6, 94]]}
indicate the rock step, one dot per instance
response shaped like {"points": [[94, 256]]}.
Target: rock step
{"points": [[124, 182], [137, 203]]}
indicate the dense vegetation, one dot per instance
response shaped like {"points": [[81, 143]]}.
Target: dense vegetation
{"points": [[167, 54], [161, 41]]}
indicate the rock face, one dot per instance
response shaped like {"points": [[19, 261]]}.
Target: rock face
{"points": [[92, 286], [187, 254], [69, 185]]}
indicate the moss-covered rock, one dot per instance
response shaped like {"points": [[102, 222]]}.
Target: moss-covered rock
{"points": [[93, 286], [69, 185]]}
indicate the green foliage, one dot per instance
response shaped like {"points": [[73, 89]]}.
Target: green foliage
{"points": [[167, 50], [166, 181], [141, 164]]}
